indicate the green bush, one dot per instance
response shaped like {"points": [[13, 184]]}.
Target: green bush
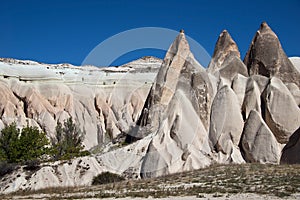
{"points": [[68, 141], [30, 146], [107, 177], [16, 146], [9, 143], [33, 144]]}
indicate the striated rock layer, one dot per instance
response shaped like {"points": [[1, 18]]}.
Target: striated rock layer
{"points": [[103, 101]]}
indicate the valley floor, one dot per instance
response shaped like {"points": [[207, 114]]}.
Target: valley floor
{"points": [[246, 181]]}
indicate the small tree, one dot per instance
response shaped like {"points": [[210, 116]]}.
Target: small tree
{"points": [[32, 144], [68, 141], [9, 143], [16, 146]]}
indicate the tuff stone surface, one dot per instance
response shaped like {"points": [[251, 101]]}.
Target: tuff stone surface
{"points": [[150, 117], [226, 123], [280, 110], [266, 57], [258, 142], [290, 153]]}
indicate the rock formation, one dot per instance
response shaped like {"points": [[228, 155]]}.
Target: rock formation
{"points": [[78, 172], [280, 111], [141, 126], [266, 57], [290, 153], [104, 101], [176, 113], [179, 71], [258, 142], [226, 60], [226, 126]]}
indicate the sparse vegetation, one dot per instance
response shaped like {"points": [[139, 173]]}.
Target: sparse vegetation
{"points": [[107, 177], [30, 146], [19, 146], [214, 181], [68, 141]]}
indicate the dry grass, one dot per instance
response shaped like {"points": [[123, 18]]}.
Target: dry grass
{"points": [[278, 180]]}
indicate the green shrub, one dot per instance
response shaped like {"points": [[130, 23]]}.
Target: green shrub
{"points": [[107, 177], [33, 144], [9, 143], [30, 145], [68, 141], [16, 146]]}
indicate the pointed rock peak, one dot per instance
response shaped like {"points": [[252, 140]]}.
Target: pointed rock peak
{"points": [[226, 43], [224, 40], [224, 49], [179, 46], [224, 34], [265, 29], [264, 26], [266, 57]]}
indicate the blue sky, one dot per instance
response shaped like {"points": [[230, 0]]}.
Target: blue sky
{"points": [[66, 31]]}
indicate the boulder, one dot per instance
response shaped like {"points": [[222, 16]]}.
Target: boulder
{"points": [[226, 123], [280, 110], [290, 153], [258, 143]]}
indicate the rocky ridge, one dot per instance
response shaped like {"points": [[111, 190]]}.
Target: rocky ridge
{"points": [[103, 101], [186, 118]]}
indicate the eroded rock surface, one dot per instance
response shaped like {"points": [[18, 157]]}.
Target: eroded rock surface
{"points": [[150, 117], [290, 153], [281, 111], [103, 101], [258, 142], [266, 57]]}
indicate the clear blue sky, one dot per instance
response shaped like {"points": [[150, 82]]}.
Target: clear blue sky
{"points": [[59, 31]]}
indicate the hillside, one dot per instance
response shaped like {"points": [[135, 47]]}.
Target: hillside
{"points": [[216, 182]]}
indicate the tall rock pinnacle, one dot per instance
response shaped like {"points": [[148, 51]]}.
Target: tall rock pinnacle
{"points": [[266, 57], [166, 81], [179, 71], [224, 48], [176, 113], [167, 77], [226, 58]]}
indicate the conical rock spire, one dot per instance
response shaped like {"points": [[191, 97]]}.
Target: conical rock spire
{"points": [[224, 48], [226, 63], [266, 57]]}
